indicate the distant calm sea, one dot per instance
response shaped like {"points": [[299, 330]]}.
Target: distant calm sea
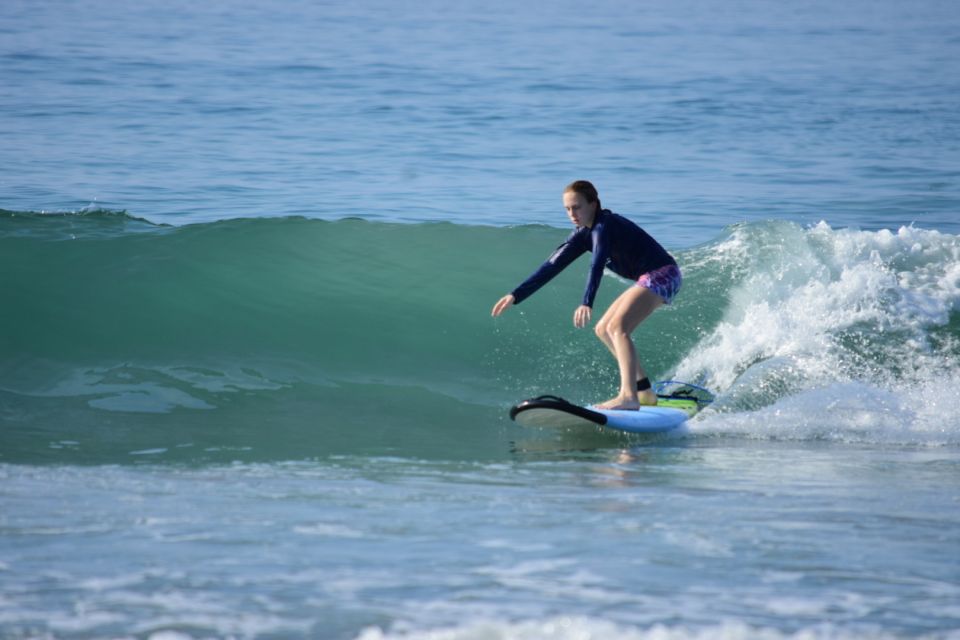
{"points": [[250, 388]]}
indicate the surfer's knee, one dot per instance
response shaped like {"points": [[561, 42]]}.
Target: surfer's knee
{"points": [[600, 329], [607, 329], [616, 327]]}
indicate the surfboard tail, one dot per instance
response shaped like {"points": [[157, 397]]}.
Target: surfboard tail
{"points": [[679, 390]]}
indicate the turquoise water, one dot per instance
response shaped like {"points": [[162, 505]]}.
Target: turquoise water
{"points": [[249, 385]]}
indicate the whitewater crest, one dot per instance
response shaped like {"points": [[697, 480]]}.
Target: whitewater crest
{"points": [[841, 334]]}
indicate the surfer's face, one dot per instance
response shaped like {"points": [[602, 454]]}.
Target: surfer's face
{"points": [[580, 212]]}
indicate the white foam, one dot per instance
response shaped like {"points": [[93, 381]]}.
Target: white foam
{"points": [[169, 635], [328, 530], [583, 628], [847, 316]]}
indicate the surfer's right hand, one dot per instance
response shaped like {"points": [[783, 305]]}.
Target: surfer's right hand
{"points": [[502, 305]]}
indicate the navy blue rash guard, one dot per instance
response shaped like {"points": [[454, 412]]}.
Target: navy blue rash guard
{"points": [[616, 243]]}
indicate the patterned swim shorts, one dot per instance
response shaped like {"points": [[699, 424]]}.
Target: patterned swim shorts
{"points": [[665, 282]]}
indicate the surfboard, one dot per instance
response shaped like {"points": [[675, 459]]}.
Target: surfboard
{"points": [[677, 402]]}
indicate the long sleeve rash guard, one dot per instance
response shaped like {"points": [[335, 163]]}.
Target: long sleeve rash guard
{"points": [[616, 243]]}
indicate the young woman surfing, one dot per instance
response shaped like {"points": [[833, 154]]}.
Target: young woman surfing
{"points": [[621, 246]]}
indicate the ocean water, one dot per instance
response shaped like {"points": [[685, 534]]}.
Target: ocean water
{"points": [[250, 386]]}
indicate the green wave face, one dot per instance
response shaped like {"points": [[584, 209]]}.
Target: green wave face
{"points": [[289, 337]]}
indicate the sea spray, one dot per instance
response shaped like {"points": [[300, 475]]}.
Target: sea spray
{"points": [[842, 334]]}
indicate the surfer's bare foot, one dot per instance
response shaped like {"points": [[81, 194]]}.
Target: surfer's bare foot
{"points": [[626, 403], [620, 404]]}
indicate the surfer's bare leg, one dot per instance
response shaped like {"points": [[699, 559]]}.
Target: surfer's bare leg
{"points": [[601, 330], [626, 313]]}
